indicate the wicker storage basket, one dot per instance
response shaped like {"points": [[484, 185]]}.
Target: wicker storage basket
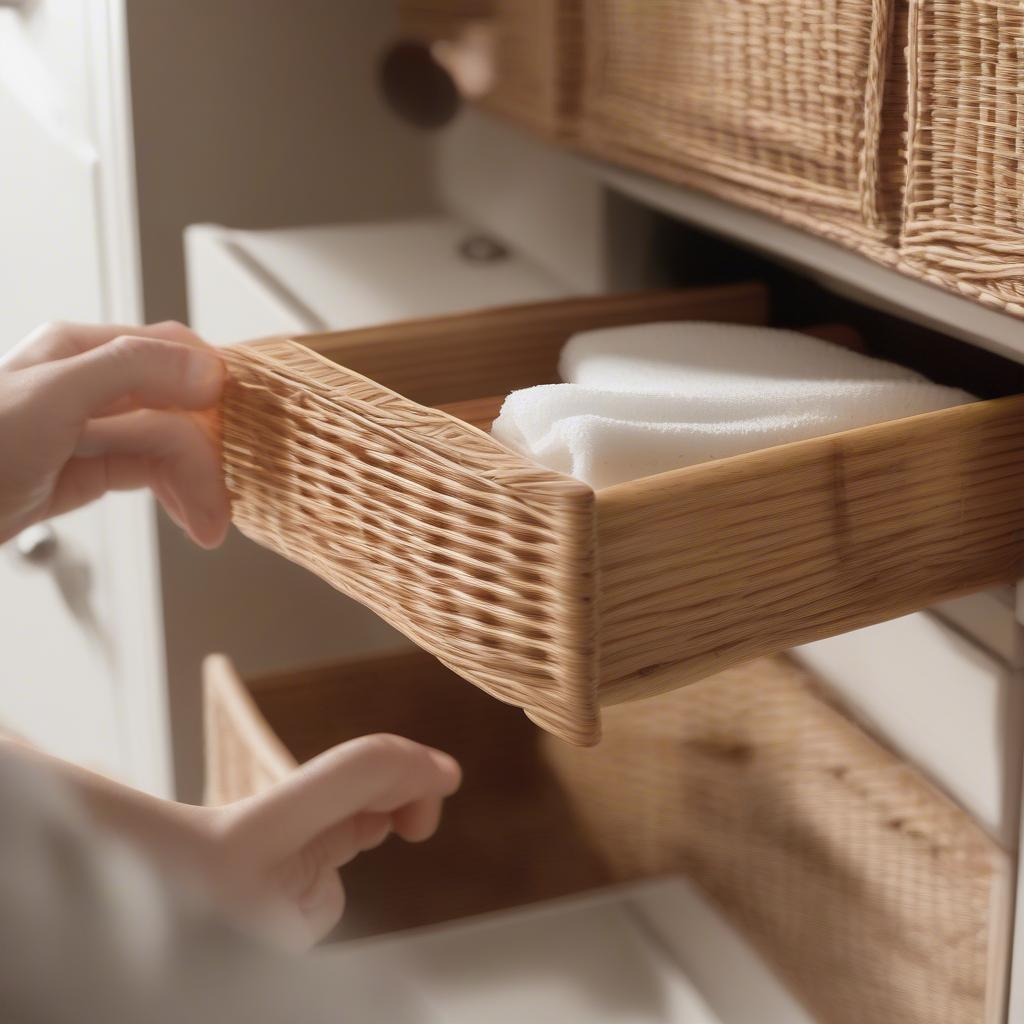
{"points": [[873, 896], [793, 107], [557, 599], [538, 54], [964, 217]]}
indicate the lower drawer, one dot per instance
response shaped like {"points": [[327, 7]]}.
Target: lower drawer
{"points": [[872, 895]]}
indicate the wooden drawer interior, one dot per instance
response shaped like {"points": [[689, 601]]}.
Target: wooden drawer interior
{"points": [[509, 836], [873, 896]]}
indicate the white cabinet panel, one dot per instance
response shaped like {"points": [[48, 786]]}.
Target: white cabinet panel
{"points": [[49, 259], [57, 679], [939, 700], [57, 667]]}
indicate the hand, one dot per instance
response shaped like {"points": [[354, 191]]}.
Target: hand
{"points": [[272, 860], [282, 850], [86, 409]]}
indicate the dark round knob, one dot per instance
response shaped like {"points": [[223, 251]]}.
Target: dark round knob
{"points": [[417, 88]]}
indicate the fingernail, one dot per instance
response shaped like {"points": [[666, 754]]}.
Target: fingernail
{"points": [[211, 528], [447, 764]]}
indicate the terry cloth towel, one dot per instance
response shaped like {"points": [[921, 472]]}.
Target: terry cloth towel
{"points": [[650, 398]]}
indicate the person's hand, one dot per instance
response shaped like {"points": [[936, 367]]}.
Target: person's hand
{"points": [[282, 850], [86, 409], [271, 861]]}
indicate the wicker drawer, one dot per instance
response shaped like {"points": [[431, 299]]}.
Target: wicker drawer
{"points": [[557, 599], [538, 54], [964, 225], [792, 106], [872, 896]]}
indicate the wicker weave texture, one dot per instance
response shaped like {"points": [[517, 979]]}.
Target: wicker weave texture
{"points": [[243, 755], [779, 105], [479, 556], [556, 599], [964, 218], [874, 897]]}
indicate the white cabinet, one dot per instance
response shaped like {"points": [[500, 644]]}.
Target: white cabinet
{"points": [[244, 284], [120, 122], [49, 216], [60, 678]]}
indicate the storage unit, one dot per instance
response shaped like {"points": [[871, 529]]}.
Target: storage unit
{"points": [[558, 599], [872, 896], [792, 107], [245, 284], [890, 128], [963, 225]]}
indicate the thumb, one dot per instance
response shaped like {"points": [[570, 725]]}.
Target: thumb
{"points": [[147, 372]]}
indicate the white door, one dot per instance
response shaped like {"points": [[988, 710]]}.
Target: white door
{"points": [[57, 656]]}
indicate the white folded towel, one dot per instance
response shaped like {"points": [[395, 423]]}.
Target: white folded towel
{"points": [[646, 399]]}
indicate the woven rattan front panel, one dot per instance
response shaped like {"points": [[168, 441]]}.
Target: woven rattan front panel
{"points": [[964, 218], [479, 556], [780, 105], [874, 897]]}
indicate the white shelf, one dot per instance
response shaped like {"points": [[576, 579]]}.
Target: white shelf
{"points": [[645, 953], [841, 270]]}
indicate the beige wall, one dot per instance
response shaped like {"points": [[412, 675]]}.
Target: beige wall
{"points": [[262, 113]]}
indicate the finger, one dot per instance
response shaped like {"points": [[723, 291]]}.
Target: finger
{"points": [[332, 849], [54, 341], [418, 821], [342, 843], [171, 453], [170, 503], [374, 773], [323, 906], [82, 481], [141, 372]]}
